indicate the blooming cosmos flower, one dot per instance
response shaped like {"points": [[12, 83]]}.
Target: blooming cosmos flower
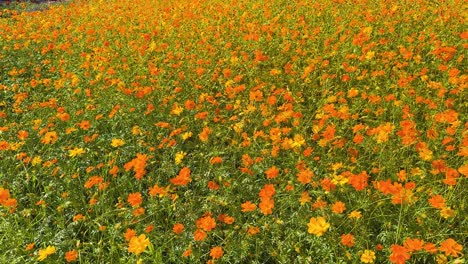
{"points": [[71, 255], [368, 256], [451, 248], [216, 252], [117, 142], [179, 157], [138, 244], [318, 226], [76, 152], [44, 253]]}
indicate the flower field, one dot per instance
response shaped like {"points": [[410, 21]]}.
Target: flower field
{"points": [[209, 131]]}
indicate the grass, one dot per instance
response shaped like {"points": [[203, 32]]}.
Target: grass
{"points": [[233, 132]]}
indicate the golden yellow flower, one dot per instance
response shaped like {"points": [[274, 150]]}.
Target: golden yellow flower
{"points": [[368, 256], [179, 157], [44, 253], [138, 244], [318, 225], [186, 135], [117, 142], [447, 212], [76, 152], [355, 214]]}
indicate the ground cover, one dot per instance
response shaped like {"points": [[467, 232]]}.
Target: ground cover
{"points": [[234, 132]]}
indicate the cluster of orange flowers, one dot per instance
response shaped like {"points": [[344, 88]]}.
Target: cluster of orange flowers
{"points": [[208, 129]]}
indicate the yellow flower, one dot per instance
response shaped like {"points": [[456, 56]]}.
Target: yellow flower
{"points": [[318, 225], [37, 160], [355, 214], [117, 142], [179, 157], [186, 135], [76, 152], [138, 244], [177, 109], [368, 256], [447, 212], [44, 253]]}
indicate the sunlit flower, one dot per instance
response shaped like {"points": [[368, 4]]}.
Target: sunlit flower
{"points": [[50, 137], [117, 142], [71, 255], [179, 157], [216, 252], [44, 253], [347, 240], [183, 178], [248, 206], [178, 228], [368, 256], [138, 245], [447, 212], [355, 214], [451, 248], [134, 199], [318, 226], [76, 152], [399, 254], [206, 223]]}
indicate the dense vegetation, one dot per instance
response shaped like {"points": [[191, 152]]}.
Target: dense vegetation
{"points": [[234, 132]]}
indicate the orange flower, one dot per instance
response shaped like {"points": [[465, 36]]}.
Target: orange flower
{"points": [[199, 235], [226, 219], [272, 172], [305, 198], [139, 211], [129, 234], [160, 191], [451, 248], [138, 164], [71, 255], [248, 207], [413, 244], [338, 207], [183, 178], [359, 181], [399, 254], [267, 191], [50, 138], [464, 169], [187, 253], [216, 252], [347, 240], [149, 228], [266, 206], [206, 223], [213, 185], [305, 176], [22, 135], [85, 124], [437, 201], [178, 228], [253, 230], [30, 246], [94, 180], [205, 134], [134, 199], [4, 145], [430, 248], [216, 160]]}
